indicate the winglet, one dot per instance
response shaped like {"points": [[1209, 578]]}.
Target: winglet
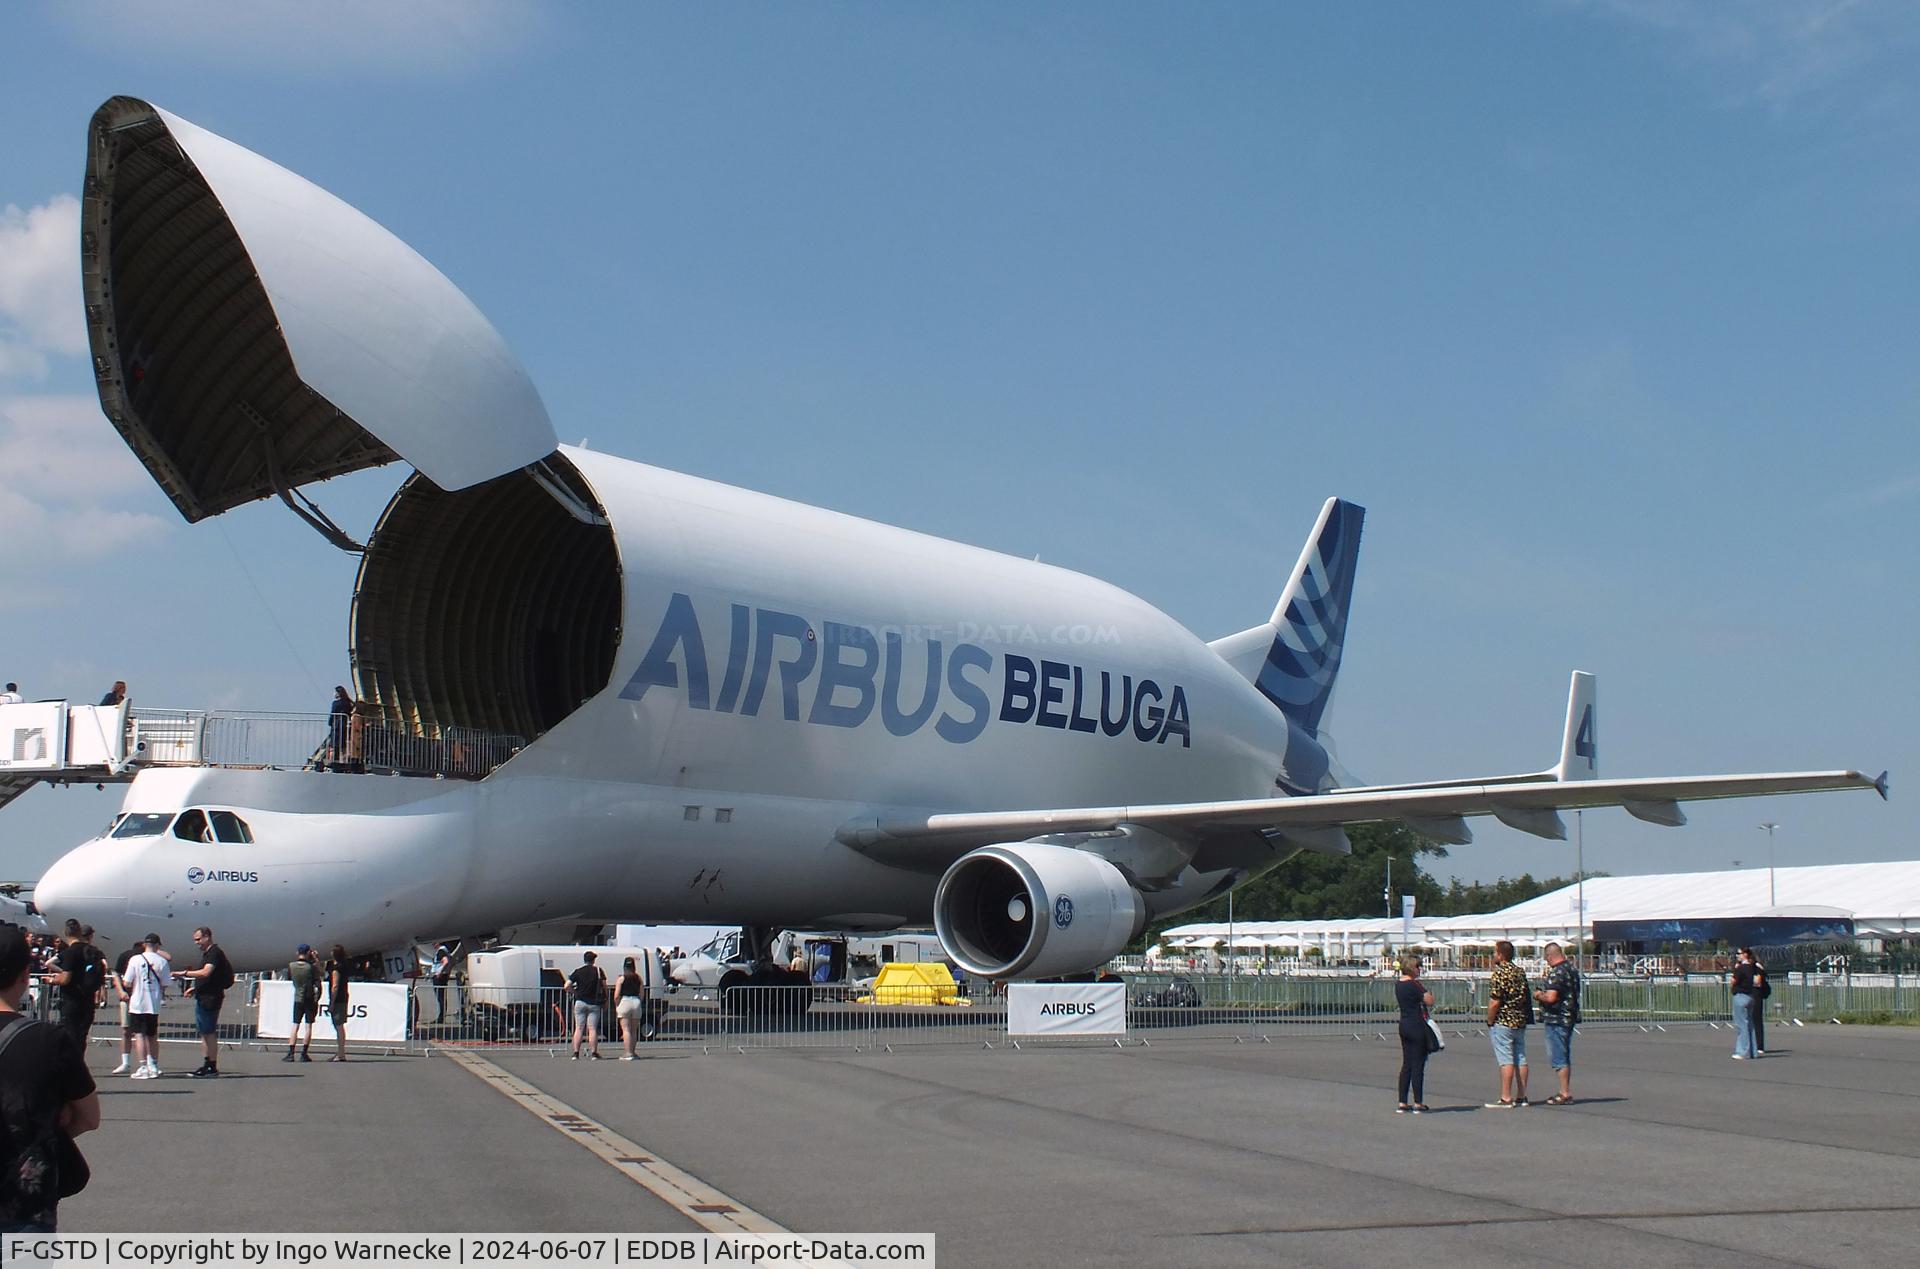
{"points": [[1579, 746], [1880, 786]]}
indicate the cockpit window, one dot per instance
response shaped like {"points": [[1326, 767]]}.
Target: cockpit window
{"points": [[192, 827], [144, 824], [228, 827]]}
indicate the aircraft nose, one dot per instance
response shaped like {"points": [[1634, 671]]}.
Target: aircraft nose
{"points": [[81, 885]]}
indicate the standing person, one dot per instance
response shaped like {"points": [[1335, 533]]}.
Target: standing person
{"points": [[589, 987], [45, 1092], [1762, 991], [1746, 978], [122, 995], [117, 694], [1414, 1000], [149, 973], [1509, 1010], [12, 695], [339, 710], [442, 973], [77, 979], [1559, 998], [209, 991], [337, 992], [304, 974], [629, 999]]}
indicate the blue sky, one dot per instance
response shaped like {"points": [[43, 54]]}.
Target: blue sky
{"points": [[1606, 311]]}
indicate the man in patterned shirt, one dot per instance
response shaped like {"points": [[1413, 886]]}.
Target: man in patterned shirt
{"points": [[1509, 1010], [1559, 998]]}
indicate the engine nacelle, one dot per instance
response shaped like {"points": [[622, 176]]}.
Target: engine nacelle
{"points": [[1030, 910]]}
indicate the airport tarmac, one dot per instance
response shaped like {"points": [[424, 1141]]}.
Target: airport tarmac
{"points": [[1182, 1153]]}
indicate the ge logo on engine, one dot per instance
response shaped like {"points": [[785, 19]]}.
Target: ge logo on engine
{"points": [[195, 876], [1063, 912]]}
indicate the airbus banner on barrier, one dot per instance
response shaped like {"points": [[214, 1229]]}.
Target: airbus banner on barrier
{"points": [[376, 1013], [1061, 1009]]}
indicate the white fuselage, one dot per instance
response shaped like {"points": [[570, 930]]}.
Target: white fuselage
{"points": [[782, 671]]}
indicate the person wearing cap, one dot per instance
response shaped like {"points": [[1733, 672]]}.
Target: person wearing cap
{"points": [[48, 1093], [149, 974], [305, 975]]}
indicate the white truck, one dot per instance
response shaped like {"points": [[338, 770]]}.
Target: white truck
{"points": [[520, 992], [825, 959]]}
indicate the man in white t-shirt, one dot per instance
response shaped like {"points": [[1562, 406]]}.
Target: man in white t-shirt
{"points": [[149, 974], [12, 695]]}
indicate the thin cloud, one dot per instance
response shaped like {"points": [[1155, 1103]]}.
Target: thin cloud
{"points": [[1787, 55], [40, 310], [407, 40], [1889, 492], [65, 484]]}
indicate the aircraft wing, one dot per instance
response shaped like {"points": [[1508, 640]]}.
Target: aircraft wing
{"points": [[1315, 822]]}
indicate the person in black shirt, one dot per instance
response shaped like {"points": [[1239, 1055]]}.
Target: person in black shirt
{"points": [[45, 1091], [1745, 998], [76, 986], [209, 986], [1414, 1000], [339, 979], [339, 710], [120, 964], [589, 987]]}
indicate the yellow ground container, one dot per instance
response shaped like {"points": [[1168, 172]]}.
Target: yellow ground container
{"points": [[924, 983]]}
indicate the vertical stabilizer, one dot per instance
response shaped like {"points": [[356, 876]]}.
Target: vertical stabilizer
{"points": [[1579, 745], [1310, 621]]}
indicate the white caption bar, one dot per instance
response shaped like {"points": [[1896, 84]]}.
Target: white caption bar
{"points": [[468, 1251]]}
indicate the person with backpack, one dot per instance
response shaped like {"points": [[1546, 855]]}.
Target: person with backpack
{"points": [[47, 1098], [78, 975], [149, 974], [209, 992], [1559, 998]]}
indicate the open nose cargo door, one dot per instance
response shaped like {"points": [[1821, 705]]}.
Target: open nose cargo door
{"points": [[252, 333]]}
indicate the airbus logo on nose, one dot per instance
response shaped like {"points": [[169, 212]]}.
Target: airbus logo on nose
{"points": [[195, 876]]}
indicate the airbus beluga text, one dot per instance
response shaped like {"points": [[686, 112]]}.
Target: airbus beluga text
{"points": [[629, 694]]}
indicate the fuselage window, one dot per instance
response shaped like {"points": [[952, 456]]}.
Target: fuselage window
{"points": [[192, 827], [228, 827], [144, 824]]}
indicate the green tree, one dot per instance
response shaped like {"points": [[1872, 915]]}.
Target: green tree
{"points": [[1312, 887]]}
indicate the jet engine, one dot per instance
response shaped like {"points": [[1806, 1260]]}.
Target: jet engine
{"points": [[1031, 910]]}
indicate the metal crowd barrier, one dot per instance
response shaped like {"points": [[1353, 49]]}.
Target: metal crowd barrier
{"points": [[247, 738], [239, 1016], [1161, 1008]]}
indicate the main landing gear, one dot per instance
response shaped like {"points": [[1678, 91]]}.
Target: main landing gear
{"points": [[761, 985]]}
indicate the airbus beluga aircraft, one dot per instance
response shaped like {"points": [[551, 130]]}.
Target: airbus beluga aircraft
{"points": [[713, 705]]}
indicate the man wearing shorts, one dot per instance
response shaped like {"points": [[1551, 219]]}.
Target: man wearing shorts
{"points": [[589, 987], [304, 972], [1509, 1010], [149, 973]]}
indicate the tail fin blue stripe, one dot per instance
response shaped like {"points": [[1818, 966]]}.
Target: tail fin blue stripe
{"points": [[1312, 619]]}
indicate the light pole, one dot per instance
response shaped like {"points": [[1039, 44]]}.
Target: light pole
{"points": [[1580, 874], [1770, 825]]}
